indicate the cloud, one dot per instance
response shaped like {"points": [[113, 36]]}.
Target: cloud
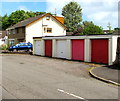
{"points": [[23, 0], [23, 8], [99, 11]]}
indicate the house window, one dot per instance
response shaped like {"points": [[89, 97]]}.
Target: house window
{"points": [[11, 42], [47, 17], [17, 30], [23, 30], [49, 30], [14, 31]]}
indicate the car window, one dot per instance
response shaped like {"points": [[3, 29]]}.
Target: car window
{"points": [[17, 44], [24, 44]]}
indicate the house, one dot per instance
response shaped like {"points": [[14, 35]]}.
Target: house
{"points": [[3, 37], [116, 32], [106, 31], [39, 26]]}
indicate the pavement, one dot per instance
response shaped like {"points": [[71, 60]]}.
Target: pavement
{"points": [[107, 74]]}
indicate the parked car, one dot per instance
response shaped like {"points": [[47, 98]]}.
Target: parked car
{"points": [[21, 46]]}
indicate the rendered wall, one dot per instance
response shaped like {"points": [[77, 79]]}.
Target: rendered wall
{"points": [[36, 29]]}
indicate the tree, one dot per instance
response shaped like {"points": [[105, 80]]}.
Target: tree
{"points": [[116, 28], [16, 17], [87, 23], [110, 27], [90, 28], [39, 13], [73, 16], [5, 22], [0, 22]]}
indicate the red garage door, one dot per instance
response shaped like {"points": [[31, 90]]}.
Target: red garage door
{"points": [[48, 48], [99, 51], [78, 49]]}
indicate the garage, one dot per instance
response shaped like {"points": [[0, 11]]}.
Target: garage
{"points": [[99, 51], [48, 48], [61, 48], [78, 49], [38, 47]]}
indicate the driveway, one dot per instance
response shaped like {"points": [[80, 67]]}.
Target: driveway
{"points": [[35, 77]]}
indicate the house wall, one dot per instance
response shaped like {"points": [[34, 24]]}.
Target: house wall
{"points": [[36, 29], [1, 42], [114, 47], [16, 35], [3, 38]]}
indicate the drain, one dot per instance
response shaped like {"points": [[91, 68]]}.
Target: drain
{"points": [[21, 63]]}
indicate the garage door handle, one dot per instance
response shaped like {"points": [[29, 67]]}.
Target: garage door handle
{"points": [[61, 52]]}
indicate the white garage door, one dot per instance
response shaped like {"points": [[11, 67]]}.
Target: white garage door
{"points": [[38, 47], [61, 50]]}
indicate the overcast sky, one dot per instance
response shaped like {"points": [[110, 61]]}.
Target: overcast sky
{"points": [[99, 11]]}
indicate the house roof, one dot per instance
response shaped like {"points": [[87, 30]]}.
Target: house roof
{"points": [[116, 32], [31, 20]]}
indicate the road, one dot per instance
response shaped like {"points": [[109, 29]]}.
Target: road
{"points": [[35, 77]]}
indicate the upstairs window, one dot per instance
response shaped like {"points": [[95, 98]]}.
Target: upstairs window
{"points": [[23, 30], [49, 30], [47, 17], [18, 30]]}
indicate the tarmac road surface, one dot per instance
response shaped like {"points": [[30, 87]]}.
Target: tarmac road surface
{"points": [[35, 77]]}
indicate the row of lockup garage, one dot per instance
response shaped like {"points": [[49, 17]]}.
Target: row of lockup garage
{"points": [[99, 48]]}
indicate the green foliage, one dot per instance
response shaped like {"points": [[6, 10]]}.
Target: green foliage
{"points": [[39, 13], [87, 23], [73, 15], [90, 28], [109, 26], [116, 28], [16, 17], [4, 47], [5, 22], [0, 22]]}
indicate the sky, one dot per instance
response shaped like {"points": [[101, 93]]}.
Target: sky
{"points": [[101, 12]]}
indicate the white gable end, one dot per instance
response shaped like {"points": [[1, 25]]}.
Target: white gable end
{"points": [[44, 27]]}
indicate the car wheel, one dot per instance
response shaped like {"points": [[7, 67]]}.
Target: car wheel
{"points": [[15, 50], [30, 50]]}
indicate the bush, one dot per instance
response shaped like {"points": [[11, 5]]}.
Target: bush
{"points": [[92, 29], [4, 47]]}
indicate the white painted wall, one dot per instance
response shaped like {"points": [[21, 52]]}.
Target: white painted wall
{"points": [[5, 40], [37, 30], [114, 47], [1, 42], [87, 50]]}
